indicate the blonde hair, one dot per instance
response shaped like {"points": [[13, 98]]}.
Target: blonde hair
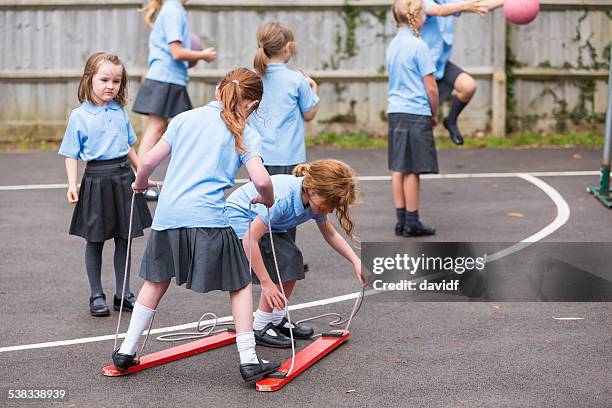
{"points": [[407, 12], [239, 85], [151, 10], [335, 182], [85, 91], [272, 37]]}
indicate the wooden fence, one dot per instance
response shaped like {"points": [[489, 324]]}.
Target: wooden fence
{"points": [[549, 75]]}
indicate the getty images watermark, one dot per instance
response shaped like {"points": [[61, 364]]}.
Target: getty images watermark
{"points": [[462, 271]]}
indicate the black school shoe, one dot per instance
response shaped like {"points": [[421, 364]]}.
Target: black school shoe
{"points": [[128, 302], [419, 230], [264, 339], [299, 331], [98, 310], [453, 131], [122, 361], [399, 229], [256, 371]]}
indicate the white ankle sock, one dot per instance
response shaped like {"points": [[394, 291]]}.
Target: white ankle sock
{"points": [[278, 315], [245, 342], [141, 317], [261, 319]]}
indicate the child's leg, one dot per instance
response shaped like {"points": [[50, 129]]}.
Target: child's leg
{"points": [[397, 186], [156, 125], [464, 88], [265, 314], [413, 226], [242, 311], [93, 265], [119, 263], [144, 310], [279, 314], [411, 185], [155, 128]]}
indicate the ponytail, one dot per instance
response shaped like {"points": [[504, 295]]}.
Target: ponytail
{"points": [[238, 86], [301, 170], [406, 12], [261, 61], [151, 10]]}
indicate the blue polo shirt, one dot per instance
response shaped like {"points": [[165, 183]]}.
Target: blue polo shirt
{"points": [[287, 212], [97, 132], [438, 33], [204, 163], [279, 119], [408, 61], [170, 25]]}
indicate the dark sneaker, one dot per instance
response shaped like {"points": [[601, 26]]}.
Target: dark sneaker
{"points": [[98, 310], [256, 371], [122, 361], [300, 331], [399, 229], [269, 336], [419, 230], [453, 131], [128, 302]]}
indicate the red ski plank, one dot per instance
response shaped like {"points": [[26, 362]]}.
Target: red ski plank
{"points": [[304, 359], [174, 353]]}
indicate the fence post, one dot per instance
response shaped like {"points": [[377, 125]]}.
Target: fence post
{"points": [[498, 83]]}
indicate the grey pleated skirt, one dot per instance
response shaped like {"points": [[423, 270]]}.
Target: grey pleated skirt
{"points": [[288, 255], [412, 148], [162, 99], [204, 259], [105, 195]]}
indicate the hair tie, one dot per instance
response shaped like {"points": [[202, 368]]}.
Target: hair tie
{"points": [[236, 82]]}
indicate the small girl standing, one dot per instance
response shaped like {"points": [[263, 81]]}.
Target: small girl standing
{"points": [[163, 94], [413, 105], [191, 239], [290, 99], [314, 191], [100, 133]]}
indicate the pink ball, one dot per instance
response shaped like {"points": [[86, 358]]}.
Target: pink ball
{"points": [[521, 11], [196, 45]]}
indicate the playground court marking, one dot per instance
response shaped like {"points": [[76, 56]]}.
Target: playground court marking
{"points": [[562, 216]]}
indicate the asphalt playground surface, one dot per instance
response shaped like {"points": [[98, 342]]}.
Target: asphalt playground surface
{"points": [[400, 354]]}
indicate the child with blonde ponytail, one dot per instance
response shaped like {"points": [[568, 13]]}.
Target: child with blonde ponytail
{"points": [[163, 94], [412, 107], [190, 238], [311, 193], [290, 99]]}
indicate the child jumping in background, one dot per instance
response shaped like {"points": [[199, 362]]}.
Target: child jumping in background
{"points": [[413, 105], [290, 99], [100, 133], [315, 190], [438, 32], [191, 239], [163, 94]]}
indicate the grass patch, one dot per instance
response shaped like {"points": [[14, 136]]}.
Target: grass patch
{"points": [[365, 140]]}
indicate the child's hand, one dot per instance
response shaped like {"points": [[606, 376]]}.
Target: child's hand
{"points": [[72, 194], [476, 6], [209, 54], [260, 200], [310, 81], [272, 296], [358, 274], [141, 188]]}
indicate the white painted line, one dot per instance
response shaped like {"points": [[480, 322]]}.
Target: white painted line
{"points": [[364, 178], [224, 319], [563, 213]]}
